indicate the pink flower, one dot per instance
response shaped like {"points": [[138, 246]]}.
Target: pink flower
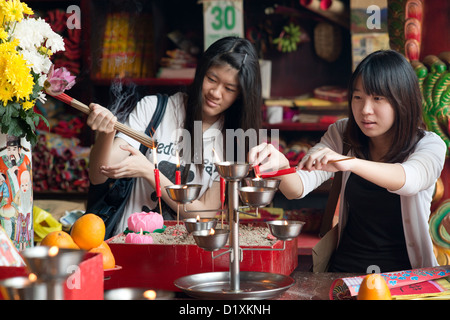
{"points": [[145, 221], [58, 81], [138, 239], [325, 4]]}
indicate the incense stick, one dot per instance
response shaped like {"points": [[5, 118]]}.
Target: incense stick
{"points": [[136, 135], [334, 161]]}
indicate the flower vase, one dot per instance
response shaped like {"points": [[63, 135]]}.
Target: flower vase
{"points": [[16, 190]]}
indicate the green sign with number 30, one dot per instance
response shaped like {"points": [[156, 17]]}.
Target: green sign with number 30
{"points": [[221, 19]]}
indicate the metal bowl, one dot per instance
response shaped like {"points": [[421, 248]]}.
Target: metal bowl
{"points": [[258, 182], [211, 242], [49, 266], [192, 224], [257, 197], [216, 285], [15, 288], [183, 193], [285, 229], [232, 171]]}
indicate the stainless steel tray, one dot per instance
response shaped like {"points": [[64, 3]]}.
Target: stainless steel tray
{"points": [[216, 285]]}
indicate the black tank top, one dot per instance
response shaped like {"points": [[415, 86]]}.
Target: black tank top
{"points": [[373, 234]]}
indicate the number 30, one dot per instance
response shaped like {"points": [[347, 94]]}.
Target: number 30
{"points": [[226, 17]]}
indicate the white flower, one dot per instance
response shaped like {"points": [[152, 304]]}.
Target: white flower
{"points": [[32, 35], [39, 62], [42, 97]]}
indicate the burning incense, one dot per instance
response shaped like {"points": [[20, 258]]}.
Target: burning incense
{"points": [[138, 136]]}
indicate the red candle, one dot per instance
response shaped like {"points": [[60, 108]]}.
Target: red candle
{"points": [[158, 187], [222, 190], [156, 172], [278, 173], [177, 177], [256, 169], [177, 172]]}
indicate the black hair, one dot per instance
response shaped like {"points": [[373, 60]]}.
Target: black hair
{"points": [[387, 73], [245, 112]]}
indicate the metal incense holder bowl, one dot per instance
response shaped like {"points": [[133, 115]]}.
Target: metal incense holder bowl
{"points": [[257, 197], [183, 193], [284, 229], [16, 288], [50, 263], [193, 224], [211, 242], [22, 288], [266, 183], [137, 294], [232, 171]]}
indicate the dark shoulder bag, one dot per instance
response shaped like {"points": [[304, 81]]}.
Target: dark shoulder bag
{"points": [[107, 200]]}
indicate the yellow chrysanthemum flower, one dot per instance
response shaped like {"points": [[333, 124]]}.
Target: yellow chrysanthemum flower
{"points": [[9, 46], [3, 34], [12, 10], [18, 73], [17, 81], [27, 9], [28, 104], [6, 92]]}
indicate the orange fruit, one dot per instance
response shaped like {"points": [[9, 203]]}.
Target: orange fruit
{"points": [[88, 231], [108, 258], [374, 287], [60, 239]]}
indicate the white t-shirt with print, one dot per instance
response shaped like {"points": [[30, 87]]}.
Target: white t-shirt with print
{"points": [[168, 136]]}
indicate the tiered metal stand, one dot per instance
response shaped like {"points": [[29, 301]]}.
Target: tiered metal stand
{"points": [[235, 284]]}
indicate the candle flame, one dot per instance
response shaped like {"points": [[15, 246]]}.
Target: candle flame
{"points": [[178, 159], [285, 223], [32, 277], [198, 218], [53, 251], [212, 232], [149, 294], [140, 232]]}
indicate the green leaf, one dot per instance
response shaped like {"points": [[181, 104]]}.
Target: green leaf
{"points": [[41, 117]]}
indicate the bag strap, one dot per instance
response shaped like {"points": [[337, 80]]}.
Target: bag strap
{"points": [[327, 219], [156, 118]]}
